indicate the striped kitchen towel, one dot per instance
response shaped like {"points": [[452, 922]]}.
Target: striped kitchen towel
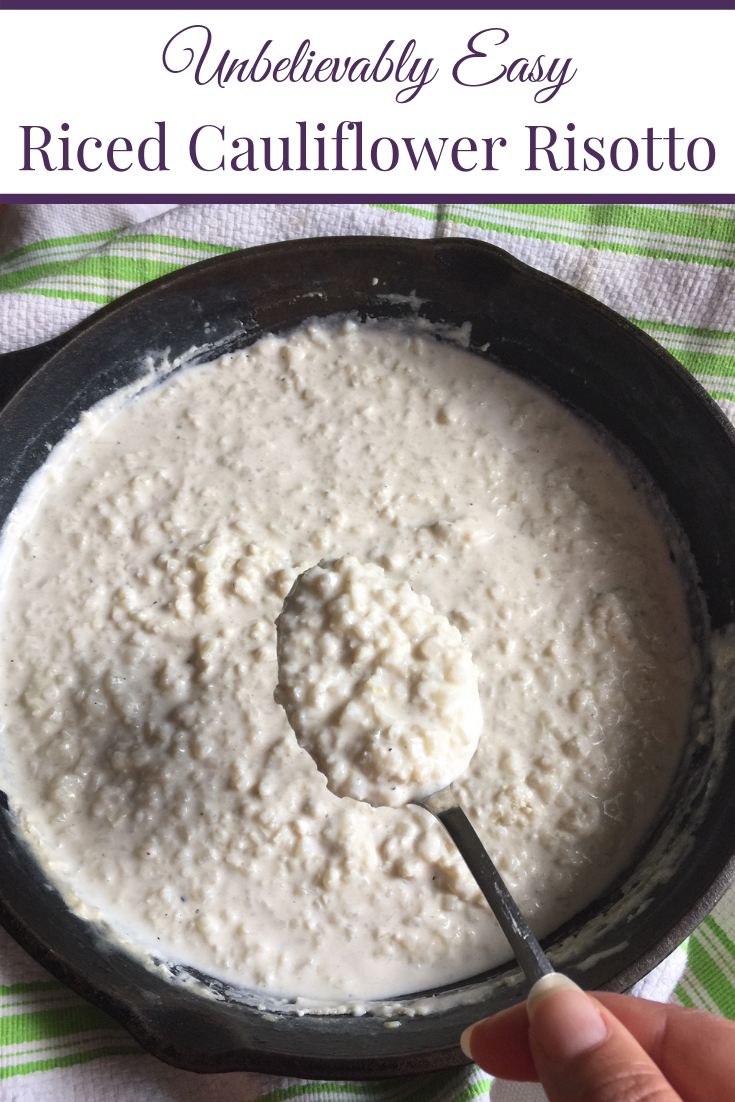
{"points": [[670, 269]]}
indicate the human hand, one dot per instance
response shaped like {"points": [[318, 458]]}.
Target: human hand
{"points": [[607, 1048]]}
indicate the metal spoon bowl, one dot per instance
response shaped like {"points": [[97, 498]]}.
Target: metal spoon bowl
{"points": [[521, 938]]}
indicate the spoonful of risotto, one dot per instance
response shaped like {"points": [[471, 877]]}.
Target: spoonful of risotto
{"points": [[382, 692]]}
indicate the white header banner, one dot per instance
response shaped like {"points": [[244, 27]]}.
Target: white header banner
{"points": [[285, 103]]}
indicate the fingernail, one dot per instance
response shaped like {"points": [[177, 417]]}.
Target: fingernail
{"points": [[555, 981], [564, 1021], [464, 1041]]}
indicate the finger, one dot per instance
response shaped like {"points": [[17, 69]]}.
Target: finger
{"points": [[500, 1045], [695, 1050], [584, 1054]]}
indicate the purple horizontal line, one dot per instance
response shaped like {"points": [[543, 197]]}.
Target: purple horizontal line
{"points": [[498, 197], [381, 5]]}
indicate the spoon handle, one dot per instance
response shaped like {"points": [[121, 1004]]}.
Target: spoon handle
{"points": [[528, 952]]}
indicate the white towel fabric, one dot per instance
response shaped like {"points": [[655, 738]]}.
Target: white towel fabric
{"points": [[57, 264]]}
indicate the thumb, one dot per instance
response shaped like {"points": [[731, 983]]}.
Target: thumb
{"points": [[583, 1053]]}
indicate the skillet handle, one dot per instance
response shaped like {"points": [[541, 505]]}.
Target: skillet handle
{"points": [[17, 367]]}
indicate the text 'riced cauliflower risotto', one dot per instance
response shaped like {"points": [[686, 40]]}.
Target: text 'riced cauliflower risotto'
{"points": [[145, 755]]}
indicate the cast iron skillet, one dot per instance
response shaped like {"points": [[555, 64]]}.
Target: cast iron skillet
{"points": [[596, 363]]}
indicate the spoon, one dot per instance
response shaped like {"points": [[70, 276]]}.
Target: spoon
{"points": [[369, 674], [526, 949]]}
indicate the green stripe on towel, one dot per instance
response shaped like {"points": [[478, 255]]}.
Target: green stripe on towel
{"points": [[37, 1025], [66, 1061]]}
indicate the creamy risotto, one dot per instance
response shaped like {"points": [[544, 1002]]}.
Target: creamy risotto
{"points": [[143, 750]]}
